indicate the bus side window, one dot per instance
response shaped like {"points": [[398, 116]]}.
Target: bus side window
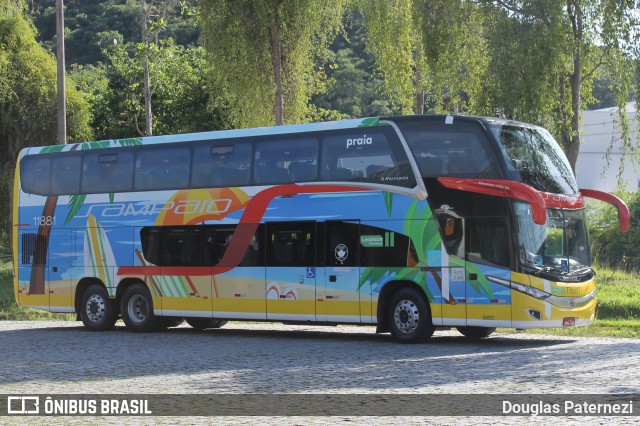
{"points": [[162, 168], [107, 172], [291, 244], [372, 155], [221, 165], [65, 174], [35, 175], [274, 160], [488, 241], [217, 238], [381, 247]]}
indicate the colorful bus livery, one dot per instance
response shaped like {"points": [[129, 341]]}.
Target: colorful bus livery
{"points": [[409, 223]]}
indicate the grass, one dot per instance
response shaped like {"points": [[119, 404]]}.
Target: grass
{"points": [[618, 313]]}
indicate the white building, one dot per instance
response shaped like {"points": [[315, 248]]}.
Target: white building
{"points": [[600, 133]]}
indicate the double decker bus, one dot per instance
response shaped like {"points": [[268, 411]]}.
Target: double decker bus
{"points": [[411, 224]]}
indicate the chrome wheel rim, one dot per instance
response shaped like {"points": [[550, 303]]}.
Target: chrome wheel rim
{"points": [[406, 316], [95, 308], [138, 308]]}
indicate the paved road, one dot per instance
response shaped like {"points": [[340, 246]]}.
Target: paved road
{"points": [[61, 357]]}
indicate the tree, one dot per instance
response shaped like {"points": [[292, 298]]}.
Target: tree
{"points": [[428, 47], [263, 54], [28, 102], [546, 54], [182, 99], [152, 21], [90, 26], [355, 87]]}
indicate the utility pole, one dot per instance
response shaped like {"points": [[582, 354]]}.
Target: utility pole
{"points": [[62, 95]]}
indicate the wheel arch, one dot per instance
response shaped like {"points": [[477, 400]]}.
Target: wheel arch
{"points": [[128, 282]]}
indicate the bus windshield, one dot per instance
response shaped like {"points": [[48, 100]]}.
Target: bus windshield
{"points": [[559, 246], [535, 158]]}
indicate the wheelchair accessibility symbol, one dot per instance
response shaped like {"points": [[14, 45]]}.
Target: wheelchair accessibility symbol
{"points": [[311, 272]]}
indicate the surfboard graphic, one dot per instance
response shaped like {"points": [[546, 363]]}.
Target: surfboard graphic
{"points": [[169, 285], [99, 260]]}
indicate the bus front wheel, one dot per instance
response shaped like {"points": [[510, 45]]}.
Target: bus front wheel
{"points": [[97, 311], [476, 332], [409, 316], [136, 308]]}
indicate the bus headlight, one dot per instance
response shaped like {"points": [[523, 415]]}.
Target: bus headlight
{"points": [[531, 291]]}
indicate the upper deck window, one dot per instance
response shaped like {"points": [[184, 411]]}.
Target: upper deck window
{"points": [[459, 150], [164, 168], [107, 172], [35, 174], [221, 164], [366, 155], [286, 161]]}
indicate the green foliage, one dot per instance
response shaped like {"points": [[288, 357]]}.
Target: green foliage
{"points": [[432, 47], [242, 38], [182, 98], [28, 114], [609, 246], [391, 34], [355, 87], [91, 26]]}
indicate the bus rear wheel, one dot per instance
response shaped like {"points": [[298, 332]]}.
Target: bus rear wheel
{"points": [[409, 317], [136, 308], [204, 323], [475, 332], [97, 311]]}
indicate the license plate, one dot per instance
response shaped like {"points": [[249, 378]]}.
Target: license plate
{"points": [[569, 322]]}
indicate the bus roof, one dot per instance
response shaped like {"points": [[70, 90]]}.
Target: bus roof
{"points": [[232, 134], [277, 130]]}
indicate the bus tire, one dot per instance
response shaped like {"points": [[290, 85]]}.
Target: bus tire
{"points": [[204, 323], [97, 311], [409, 316], [168, 322], [475, 332], [136, 308]]}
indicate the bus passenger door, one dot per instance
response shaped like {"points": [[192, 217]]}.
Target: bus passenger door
{"points": [[341, 299], [290, 285]]}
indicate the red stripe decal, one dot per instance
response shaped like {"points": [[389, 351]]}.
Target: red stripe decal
{"points": [[502, 188]]}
